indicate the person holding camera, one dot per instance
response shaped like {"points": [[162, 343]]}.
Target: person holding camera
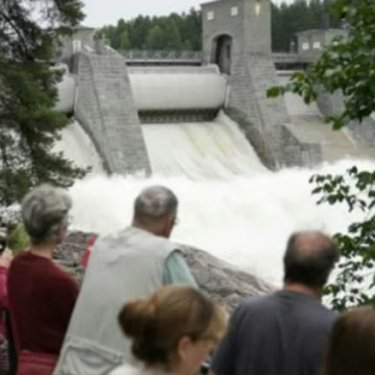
{"points": [[6, 258]]}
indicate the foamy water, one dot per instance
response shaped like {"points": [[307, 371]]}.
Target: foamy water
{"points": [[245, 220], [215, 150]]}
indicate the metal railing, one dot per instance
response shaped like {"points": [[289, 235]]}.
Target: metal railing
{"points": [[159, 57], [285, 57], [148, 56]]}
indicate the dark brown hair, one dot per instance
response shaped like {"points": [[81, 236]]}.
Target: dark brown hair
{"points": [[158, 323], [352, 344]]}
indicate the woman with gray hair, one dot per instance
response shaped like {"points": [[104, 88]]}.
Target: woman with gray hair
{"points": [[41, 295]]}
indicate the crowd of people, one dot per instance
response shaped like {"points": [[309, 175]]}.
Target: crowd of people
{"points": [[139, 310]]}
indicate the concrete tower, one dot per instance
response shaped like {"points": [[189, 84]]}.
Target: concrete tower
{"points": [[243, 24], [237, 37]]}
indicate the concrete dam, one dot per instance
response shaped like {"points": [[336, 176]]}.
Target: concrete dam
{"points": [[212, 121], [180, 122]]}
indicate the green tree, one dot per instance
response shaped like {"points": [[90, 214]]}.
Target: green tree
{"points": [[191, 31], [174, 32], [29, 125], [172, 36], [125, 41], [140, 28], [348, 66], [155, 39]]}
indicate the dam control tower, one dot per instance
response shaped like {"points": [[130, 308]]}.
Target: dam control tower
{"points": [[237, 37]]}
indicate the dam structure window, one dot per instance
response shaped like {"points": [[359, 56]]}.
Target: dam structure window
{"points": [[234, 11], [210, 15]]}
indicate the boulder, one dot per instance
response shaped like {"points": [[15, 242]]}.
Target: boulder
{"points": [[223, 281]]}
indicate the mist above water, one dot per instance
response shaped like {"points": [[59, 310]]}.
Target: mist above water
{"points": [[245, 220], [235, 209]]}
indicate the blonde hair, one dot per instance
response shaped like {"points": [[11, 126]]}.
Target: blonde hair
{"points": [[157, 324]]}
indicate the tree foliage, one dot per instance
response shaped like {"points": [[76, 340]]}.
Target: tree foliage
{"points": [[184, 32], [348, 66], [354, 284], [174, 32], [28, 124]]}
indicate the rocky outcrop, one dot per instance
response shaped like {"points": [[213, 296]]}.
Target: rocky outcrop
{"points": [[222, 281]]}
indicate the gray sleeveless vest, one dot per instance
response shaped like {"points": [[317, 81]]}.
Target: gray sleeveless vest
{"points": [[122, 267]]}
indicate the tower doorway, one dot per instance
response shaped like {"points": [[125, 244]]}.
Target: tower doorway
{"points": [[223, 53]]}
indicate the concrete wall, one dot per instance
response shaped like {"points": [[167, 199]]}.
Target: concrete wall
{"points": [[333, 104], [105, 108]]}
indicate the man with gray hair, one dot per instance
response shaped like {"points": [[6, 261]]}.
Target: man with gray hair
{"points": [[128, 265], [41, 295]]}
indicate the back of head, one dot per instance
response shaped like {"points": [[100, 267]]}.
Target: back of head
{"points": [[352, 344], [44, 211], [309, 259], [155, 203], [157, 324]]}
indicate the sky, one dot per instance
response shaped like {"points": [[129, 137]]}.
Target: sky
{"points": [[107, 12]]}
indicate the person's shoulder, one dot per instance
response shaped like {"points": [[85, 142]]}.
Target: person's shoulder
{"points": [[23, 260], [53, 276], [314, 313], [61, 275], [255, 305], [260, 301], [126, 370], [21, 256], [324, 313]]}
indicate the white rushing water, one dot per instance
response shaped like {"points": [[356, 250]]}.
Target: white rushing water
{"points": [[200, 151], [77, 146], [244, 220], [243, 215]]}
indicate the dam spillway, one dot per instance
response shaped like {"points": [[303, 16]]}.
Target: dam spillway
{"points": [[185, 131], [175, 122], [201, 150]]}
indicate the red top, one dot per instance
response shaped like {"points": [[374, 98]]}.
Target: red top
{"points": [[41, 300], [86, 254]]}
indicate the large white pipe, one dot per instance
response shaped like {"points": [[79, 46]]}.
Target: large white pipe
{"points": [[173, 89]]}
